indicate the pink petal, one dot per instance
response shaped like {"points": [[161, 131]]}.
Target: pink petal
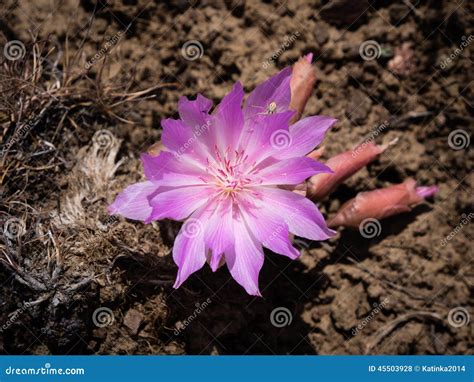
{"points": [[301, 215], [218, 233], [268, 226], [246, 259], [204, 104], [229, 119], [189, 250], [275, 89], [168, 170], [426, 191], [194, 113], [179, 203], [184, 140], [133, 203], [290, 171], [215, 261], [263, 134], [305, 135]]}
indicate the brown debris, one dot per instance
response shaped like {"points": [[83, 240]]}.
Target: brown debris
{"points": [[133, 320], [403, 62]]}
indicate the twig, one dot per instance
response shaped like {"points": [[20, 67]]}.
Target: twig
{"points": [[390, 284], [385, 330]]}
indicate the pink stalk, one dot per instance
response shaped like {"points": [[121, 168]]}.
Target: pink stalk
{"points": [[302, 81], [381, 203], [316, 154], [344, 166]]}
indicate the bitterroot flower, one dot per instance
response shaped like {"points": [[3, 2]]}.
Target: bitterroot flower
{"points": [[224, 173]]}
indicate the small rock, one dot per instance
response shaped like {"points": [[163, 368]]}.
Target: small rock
{"points": [[322, 34], [375, 291], [398, 13], [132, 320], [344, 308], [100, 333], [403, 63], [355, 71], [390, 80], [421, 229], [344, 12], [453, 90], [358, 107], [325, 324]]}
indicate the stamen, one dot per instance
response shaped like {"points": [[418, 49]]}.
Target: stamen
{"points": [[227, 172]]}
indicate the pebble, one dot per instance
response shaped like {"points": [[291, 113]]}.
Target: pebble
{"points": [[132, 320]]}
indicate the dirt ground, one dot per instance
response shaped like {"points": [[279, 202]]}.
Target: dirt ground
{"points": [[75, 281]]}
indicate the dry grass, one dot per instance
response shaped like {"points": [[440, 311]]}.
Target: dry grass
{"points": [[58, 158]]}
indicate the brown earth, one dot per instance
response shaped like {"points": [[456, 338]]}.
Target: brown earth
{"points": [[406, 291]]}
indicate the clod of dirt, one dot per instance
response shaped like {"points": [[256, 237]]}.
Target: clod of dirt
{"points": [[344, 12], [347, 302], [132, 320], [359, 107], [403, 62]]}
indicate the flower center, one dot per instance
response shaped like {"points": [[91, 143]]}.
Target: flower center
{"points": [[227, 171]]}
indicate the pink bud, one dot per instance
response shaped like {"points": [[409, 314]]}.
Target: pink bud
{"points": [[381, 203], [302, 81], [344, 166]]}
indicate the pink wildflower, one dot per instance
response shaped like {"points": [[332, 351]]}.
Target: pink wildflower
{"points": [[224, 175]]}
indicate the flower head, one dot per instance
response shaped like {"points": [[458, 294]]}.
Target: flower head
{"points": [[226, 175]]}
